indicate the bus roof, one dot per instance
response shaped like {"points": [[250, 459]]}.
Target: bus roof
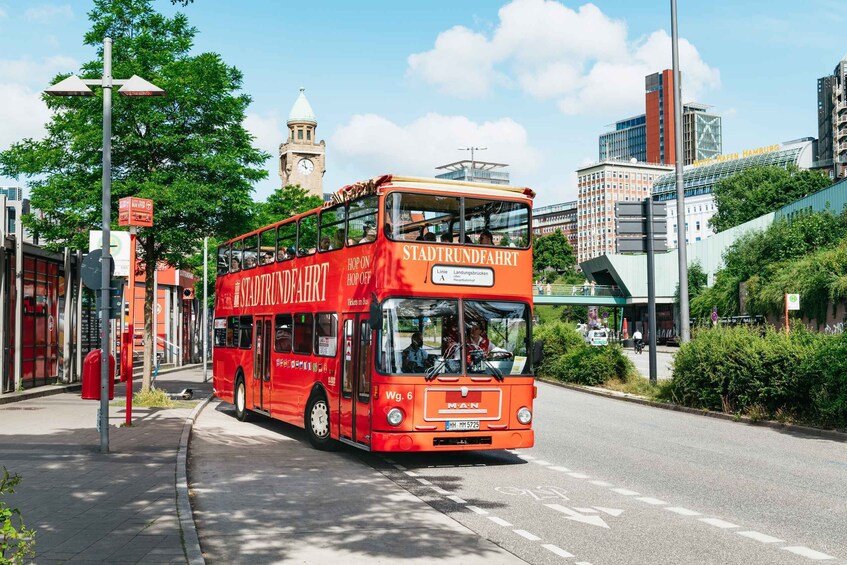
{"points": [[458, 185]]}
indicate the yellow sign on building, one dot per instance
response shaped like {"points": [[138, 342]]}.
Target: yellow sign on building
{"points": [[733, 156]]}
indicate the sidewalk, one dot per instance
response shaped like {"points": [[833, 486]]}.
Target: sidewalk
{"points": [[86, 506]]}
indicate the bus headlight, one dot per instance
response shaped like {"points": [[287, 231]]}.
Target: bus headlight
{"points": [[524, 415], [394, 417]]}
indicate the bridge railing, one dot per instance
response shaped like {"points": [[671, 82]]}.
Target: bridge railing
{"points": [[576, 290]]}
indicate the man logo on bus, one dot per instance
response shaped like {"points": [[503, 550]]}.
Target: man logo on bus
{"points": [[236, 301]]}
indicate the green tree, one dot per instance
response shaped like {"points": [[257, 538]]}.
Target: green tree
{"points": [[16, 540], [697, 281], [553, 252], [758, 190], [284, 203], [187, 151]]}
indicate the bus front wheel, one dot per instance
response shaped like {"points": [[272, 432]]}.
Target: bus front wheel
{"points": [[240, 399], [317, 423]]}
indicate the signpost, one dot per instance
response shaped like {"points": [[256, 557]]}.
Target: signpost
{"points": [[135, 213], [792, 302]]}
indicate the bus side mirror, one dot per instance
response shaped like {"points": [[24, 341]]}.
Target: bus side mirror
{"points": [[375, 319], [537, 353]]}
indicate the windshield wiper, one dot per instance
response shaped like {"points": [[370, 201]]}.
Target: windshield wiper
{"points": [[435, 369]]}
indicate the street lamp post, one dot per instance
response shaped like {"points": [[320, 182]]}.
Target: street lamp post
{"points": [[473, 162], [134, 86]]}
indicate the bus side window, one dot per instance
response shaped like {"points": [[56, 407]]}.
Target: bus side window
{"points": [[282, 333], [332, 229], [220, 332], [232, 331], [286, 241], [223, 260], [326, 338], [267, 247], [307, 235], [303, 331], [361, 221], [235, 257], [245, 326], [251, 258]]}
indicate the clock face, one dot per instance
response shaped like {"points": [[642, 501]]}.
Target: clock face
{"points": [[305, 166]]}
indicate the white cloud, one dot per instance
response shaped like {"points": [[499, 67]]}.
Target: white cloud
{"points": [[48, 12], [22, 113], [36, 73], [269, 133], [3, 13], [377, 144], [581, 58]]}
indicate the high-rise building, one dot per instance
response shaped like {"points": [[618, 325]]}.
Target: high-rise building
{"points": [[660, 117], [474, 171], [600, 186], [832, 121], [701, 133], [627, 141], [650, 136]]}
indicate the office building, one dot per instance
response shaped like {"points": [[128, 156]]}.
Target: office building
{"points": [[474, 171], [600, 186], [701, 133], [556, 217], [699, 180], [627, 141], [659, 98], [832, 121]]}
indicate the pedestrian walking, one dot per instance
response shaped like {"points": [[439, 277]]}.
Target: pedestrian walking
{"points": [[549, 289]]}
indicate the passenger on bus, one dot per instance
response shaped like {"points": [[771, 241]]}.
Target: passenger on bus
{"points": [[429, 236], [338, 239], [414, 356], [324, 245], [370, 233], [234, 265], [249, 262], [476, 338], [447, 237], [485, 238]]}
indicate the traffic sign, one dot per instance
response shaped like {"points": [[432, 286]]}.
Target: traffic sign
{"points": [[92, 271], [792, 301]]}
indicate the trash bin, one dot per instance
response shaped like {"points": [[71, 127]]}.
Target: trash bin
{"points": [[91, 376]]}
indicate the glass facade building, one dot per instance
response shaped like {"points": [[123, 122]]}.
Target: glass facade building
{"points": [[627, 141]]}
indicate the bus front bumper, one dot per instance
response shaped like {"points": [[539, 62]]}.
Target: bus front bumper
{"points": [[451, 441]]}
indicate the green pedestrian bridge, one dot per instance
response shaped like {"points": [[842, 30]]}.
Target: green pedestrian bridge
{"points": [[578, 295]]}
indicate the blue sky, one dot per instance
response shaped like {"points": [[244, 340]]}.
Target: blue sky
{"points": [[399, 86]]}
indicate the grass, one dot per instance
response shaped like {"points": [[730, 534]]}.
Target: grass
{"points": [[156, 398], [635, 384]]}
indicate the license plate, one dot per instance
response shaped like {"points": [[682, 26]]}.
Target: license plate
{"points": [[462, 425]]}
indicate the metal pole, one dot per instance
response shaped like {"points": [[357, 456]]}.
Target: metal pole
{"points": [[684, 330], [129, 334], [155, 317], [203, 307], [106, 260], [651, 291]]}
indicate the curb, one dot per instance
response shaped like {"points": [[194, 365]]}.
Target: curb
{"points": [[793, 428], [50, 390], [190, 540]]}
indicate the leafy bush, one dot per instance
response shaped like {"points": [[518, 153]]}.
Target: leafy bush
{"points": [[763, 373], [825, 370], [587, 365], [558, 338], [16, 541], [153, 398]]}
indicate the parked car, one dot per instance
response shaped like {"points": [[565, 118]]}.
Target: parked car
{"points": [[597, 337]]}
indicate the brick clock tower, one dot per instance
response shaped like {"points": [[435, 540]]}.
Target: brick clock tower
{"points": [[302, 157]]}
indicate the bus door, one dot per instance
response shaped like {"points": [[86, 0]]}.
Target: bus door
{"points": [[262, 363], [355, 399]]}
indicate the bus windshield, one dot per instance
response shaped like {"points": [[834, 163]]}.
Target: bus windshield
{"points": [[421, 336], [454, 219]]}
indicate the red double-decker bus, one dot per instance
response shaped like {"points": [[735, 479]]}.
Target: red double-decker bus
{"points": [[397, 317]]}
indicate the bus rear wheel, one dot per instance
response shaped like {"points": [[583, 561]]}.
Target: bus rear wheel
{"points": [[317, 423], [240, 399]]}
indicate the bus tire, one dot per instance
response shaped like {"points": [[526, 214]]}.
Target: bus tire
{"points": [[317, 425], [240, 399]]}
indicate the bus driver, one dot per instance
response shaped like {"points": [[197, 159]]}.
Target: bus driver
{"points": [[414, 356]]}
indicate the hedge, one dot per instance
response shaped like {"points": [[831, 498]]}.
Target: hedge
{"points": [[568, 358]]}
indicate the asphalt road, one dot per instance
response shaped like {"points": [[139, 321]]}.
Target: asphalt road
{"points": [[608, 483], [664, 359]]}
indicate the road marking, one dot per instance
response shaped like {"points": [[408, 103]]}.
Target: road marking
{"points": [[601, 483], [478, 510], [585, 510], [526, 457], [411, 473], [682, 511], [542, 462], [582, 563], [399, 467], [527, 535], [625, 492], [577, 517], [456, 499], [578, 476], [439, 490], [760, 537], [561, 469], [557, 550], [718, 523], [500, 521], [610, 511], [424, 482], [651, 500], [810, 553]]}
